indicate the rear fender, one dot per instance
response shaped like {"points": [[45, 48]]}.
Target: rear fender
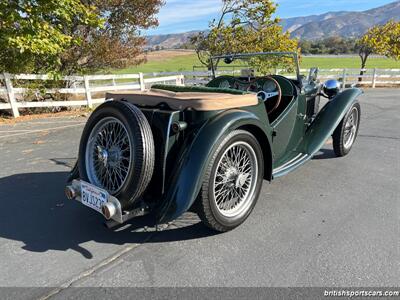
{"points": [[188, 175], [328, 119]]}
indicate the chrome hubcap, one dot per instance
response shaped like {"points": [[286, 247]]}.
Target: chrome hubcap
{"points": [[108, 155], [235, 179], [102, 155], [350, 130]]}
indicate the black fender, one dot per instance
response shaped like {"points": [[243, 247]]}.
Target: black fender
{"points": [[191, 166]]}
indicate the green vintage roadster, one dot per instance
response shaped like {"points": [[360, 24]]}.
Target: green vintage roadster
{"points": [[207, 149]]}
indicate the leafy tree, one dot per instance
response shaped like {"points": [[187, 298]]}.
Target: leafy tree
{"points": [[118, 43], [332, 45], [338, 45], [71, 36], [305, 46], [32, 34], [243, 26], [380, 39]]}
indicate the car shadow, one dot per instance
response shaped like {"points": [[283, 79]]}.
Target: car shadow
{"points": [[325, 154], [36, 212], [68, 162]]}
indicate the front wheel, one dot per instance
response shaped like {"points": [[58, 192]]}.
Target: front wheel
{"points": [[232, 182], [347, 131]]}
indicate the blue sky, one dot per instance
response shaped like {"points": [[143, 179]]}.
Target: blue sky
{"points": [[185, 15]]}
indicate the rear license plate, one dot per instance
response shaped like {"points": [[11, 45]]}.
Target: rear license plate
{"points": [[93, 196]]}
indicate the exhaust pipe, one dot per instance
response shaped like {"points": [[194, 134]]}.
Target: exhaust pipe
{"points": [[70, 192], [109, 210]]}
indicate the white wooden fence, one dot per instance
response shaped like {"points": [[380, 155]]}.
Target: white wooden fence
{"points": [[370, 78], [85, 85]]}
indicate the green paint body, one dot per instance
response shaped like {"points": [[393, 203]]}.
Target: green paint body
{"points": [[291, 139]]}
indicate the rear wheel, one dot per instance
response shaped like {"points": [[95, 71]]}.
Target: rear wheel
{"points": [[347, 131], [232, 182], [117, 151]]}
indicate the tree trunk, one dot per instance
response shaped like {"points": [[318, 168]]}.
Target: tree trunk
{"points": [[364, 57]]}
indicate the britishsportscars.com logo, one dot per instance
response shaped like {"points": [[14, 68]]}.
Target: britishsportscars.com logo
{"points": [[361, 293]]}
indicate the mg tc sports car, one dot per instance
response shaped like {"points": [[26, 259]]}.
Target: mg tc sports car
{"points": [[207, 149]]}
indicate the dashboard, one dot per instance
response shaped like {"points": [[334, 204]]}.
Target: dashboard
{"points": [[266, 84], [272, 90], [265, 87]]}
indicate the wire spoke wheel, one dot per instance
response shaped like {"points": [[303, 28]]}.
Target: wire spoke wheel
{"points": [[346, 132], [235, 179], [116, 151], [232, 181], [351, 128], [109, 155]]}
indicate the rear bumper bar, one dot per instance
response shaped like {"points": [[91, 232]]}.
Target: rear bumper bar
{"points": [[111, 210]]}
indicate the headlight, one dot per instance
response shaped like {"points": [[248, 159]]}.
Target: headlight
{"points": [[331, 88]]}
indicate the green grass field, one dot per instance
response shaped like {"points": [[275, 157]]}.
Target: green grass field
{"points": [[348, 62], [186, 63]]}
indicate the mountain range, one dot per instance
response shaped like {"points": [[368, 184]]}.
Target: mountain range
{"points": [[347, 24]]}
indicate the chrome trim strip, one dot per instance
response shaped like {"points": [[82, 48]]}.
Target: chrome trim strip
{"points": [[290, 163]]}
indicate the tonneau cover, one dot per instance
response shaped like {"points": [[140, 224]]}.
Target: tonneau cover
{"points": [[200, 101]]}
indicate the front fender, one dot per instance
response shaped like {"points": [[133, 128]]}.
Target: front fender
{"points": [[328, 119], [191, 166]]}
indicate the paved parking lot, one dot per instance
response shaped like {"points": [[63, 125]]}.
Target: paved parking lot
{"points": [[333, 222]]}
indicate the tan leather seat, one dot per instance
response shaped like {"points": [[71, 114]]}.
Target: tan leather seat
{"points": [[183, 100]]}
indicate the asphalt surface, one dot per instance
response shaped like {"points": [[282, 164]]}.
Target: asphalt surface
{"points": [[333, 222]]}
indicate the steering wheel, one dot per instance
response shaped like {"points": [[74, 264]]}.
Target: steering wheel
{"points": [[270, 89]]}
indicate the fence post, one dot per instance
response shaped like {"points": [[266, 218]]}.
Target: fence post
{"points": [[141, 82], [374, 79], [180, 80], [87, 91], [344, 78], [11, 95]]}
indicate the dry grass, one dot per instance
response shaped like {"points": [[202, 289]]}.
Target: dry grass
{"points": [[74, 113], [167, 54]]}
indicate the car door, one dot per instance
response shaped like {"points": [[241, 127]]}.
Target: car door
{"points": [[288, 130]]}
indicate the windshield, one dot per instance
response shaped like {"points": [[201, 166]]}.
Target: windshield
{"points": [[257, 64]]}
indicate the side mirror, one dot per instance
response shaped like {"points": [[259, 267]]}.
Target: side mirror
{"points": [[313, 75], [331, 88]]}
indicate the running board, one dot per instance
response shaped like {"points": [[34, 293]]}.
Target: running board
{"points": [[291, 165]]}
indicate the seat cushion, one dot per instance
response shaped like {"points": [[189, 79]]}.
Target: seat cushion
{"points": [[201, 101]]}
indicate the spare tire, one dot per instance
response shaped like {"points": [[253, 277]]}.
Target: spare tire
{"points": [[116, 151]]}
